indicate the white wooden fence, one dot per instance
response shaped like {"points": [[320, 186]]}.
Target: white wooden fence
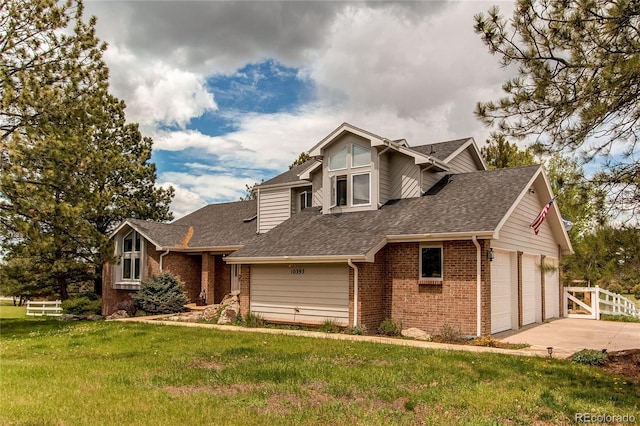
{"points": [[38, 308], [591, 302]]}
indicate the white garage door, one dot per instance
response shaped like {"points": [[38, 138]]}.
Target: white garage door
{"points": [[301, 293], [529, 274], [501, 292], [552, 290]]}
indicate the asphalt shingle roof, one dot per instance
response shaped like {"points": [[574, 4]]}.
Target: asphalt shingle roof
{"points": [[440, 150], [469, 202], [215, 225], [291, 175], [225, 224], [163, 234]]}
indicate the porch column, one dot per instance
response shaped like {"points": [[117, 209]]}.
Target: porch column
{"points": [[207, 278]]}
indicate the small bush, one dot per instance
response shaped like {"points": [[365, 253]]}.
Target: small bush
{"points": [[358, 330], [636, 291], [615, 288], [82, 304], [253, 320], [163, 294], [590, 357], [389, 328], [330, 326], [451, 334]]}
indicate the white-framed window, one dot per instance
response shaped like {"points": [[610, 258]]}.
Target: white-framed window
{"points": [[131, 263], [338, 161], [431, 262], [360, 156], [361, 189], [305, 200], [338, 190]]}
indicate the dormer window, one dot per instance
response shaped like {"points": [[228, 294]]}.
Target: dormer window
{"points": [[361, 189], [338, 161], [360, 156]]}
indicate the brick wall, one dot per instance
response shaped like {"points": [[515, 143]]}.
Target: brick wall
{"points": [[245, 289], [374, 301], [222, 285], [188, 269], [390, 288]]}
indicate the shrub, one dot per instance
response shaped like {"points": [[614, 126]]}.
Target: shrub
{"points": [[83, 304], [163, 294], [451, 334], [253, 320], [330, 326], [389, 328], [615, 288], [358, 330], [636, 291], [590, 357]]}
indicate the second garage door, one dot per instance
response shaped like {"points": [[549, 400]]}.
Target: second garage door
{"points": [[530, 288], [501, 292], [301, 293]]}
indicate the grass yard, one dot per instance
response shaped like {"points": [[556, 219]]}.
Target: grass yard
{"points": [[7, 310], [105, 373]]}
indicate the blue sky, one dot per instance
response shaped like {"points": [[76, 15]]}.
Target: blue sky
{"points": [[232, 92]]}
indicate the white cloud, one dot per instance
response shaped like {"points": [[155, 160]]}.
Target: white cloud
{"points": [[155, 92], [184, 201]]}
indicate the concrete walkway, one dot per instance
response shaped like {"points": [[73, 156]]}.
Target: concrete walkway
{"points": [[570, 335], [566, 336]]}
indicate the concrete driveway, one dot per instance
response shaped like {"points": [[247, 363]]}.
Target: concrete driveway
{"points": [[570, 335]]}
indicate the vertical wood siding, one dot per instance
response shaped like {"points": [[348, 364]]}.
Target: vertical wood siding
{"points": [[274, 208]]}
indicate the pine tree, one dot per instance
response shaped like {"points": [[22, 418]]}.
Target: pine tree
{"points": [[577, 83], [71, 168], [163, 294]]}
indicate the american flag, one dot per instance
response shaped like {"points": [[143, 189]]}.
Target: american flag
{"points": [[537, 222]]}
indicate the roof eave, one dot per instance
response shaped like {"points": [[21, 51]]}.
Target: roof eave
{"points": [[296, 259], [444, 236], [220, 249]]}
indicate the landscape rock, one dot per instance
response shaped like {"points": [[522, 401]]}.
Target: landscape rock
{"points": [[118, 315], [416, 333], [230, 308], [210, 313]]}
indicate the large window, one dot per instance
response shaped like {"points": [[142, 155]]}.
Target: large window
{"points": [[338, 161], [360, 156], [131, 256], [430, 262], [338, 191], [361, 189]]}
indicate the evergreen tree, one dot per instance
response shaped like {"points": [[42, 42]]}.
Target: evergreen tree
{"points": [[71, 168], [499, 153], [577, 83]]}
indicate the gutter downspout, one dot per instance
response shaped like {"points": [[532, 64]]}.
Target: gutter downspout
{"points": [[478, 286], [161, 256], [355, 291]]}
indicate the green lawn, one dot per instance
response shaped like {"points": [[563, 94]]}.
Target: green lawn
{"points": [[105, 373], [7, 310]]}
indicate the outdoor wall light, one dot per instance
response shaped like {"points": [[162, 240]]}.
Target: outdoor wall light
{"points": [[491, 255]]}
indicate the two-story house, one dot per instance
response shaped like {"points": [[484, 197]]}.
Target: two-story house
{"points": [[368, 229]]}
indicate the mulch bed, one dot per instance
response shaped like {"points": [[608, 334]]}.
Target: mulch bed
{"points": [[625, 363]]}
